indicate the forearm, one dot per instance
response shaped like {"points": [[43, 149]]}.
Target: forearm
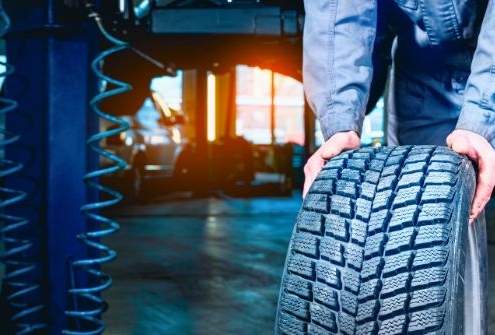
{"points": [[338, 46], [478, 111]]}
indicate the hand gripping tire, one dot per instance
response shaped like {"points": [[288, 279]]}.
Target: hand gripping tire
{"points": [[382, 245]]}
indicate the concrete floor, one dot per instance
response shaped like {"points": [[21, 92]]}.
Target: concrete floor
{"points": [[204, 267]]}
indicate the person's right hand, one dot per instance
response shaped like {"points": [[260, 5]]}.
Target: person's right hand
{"points": [[335, 145]]}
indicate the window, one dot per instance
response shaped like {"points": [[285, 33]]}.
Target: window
{"points": [[254, 99]]}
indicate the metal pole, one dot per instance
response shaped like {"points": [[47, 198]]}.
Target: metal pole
{"points": [[52, 85]]}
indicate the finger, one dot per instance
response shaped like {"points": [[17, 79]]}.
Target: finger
{"points": [[484, 189], [311, 171]]}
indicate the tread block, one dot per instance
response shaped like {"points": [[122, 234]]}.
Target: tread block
{"points": [[314, 329], [397, 263], [351, 281], [332, 250], [430, 257], [349, 302], [413, 167], [400, 240], [435, 213], [363, 208], [310, 221], [438, 193], [302, 266], [306, 244], [396, 284], [354, 256], [410, 179], [371, 268], [368, 190], [395, 158], [369, 290], [443, 166], [358, 232], [382, 200], [416, 157], [393, 326], [326, 296], [289, 324], [391, 170], [337, 226], [393, 305], [428, 277], [367, 328], [407, 196], [347, 324], [294, 305], [335, 163], [358, 164], [346, 188], [374, 245], [432, 235], [341, 205], [386, 183], [322, 186], [328, 174], [378, 221], [328, 274], [446, 157], [316, 202], [299, 286], [430, 297], [422, 321], [368, 311], [437, 178], [403, 217], [350, 174], [372, 176], [323, 316], [377, 164]]}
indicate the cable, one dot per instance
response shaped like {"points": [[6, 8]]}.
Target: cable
{"points": [[84, 315]]}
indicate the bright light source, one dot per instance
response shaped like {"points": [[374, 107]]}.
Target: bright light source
{"points": [[212, 105]]}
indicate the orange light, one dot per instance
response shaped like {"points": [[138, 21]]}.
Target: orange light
{"points": [[211, 108]]}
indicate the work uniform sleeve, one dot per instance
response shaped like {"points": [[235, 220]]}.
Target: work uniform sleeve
{"points": [[478, 110], [338, 47]]}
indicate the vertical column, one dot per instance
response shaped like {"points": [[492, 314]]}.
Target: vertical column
{"points": [[52, 85], [201, 124]]}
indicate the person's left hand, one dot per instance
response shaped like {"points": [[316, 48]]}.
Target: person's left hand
{"points": [[481, 153]]}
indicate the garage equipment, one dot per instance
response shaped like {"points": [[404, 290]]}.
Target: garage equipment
{"points": [[18, 284]]}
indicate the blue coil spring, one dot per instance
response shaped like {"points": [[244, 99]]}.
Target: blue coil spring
{"points": [[85, 314], [19, 288]]}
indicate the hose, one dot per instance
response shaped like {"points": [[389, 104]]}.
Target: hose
{"points": [[19, 265], [86, 304]]}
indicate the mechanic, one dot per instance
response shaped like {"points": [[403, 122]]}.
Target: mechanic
{"points": [[442, 87]]}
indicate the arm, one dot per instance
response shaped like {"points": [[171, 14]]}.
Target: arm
{"points": [[338, 48], [475, 133], [478, 111], [338, 45]]}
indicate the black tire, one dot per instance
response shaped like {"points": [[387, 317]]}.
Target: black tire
{"points": [[382, 245]]}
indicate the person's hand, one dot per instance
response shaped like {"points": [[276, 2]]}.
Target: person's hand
{"points": [[481, 152], [331, 148]]}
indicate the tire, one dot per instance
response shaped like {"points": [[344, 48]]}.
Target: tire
{"points": [[382, 245]]}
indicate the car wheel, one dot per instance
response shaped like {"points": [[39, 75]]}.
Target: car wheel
{"points": [[382, 245]]}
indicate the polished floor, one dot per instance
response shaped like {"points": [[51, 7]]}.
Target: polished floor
{"points": [[209, 266]]}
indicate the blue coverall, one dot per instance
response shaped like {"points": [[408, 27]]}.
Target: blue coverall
{"points": [[444, 64]]}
